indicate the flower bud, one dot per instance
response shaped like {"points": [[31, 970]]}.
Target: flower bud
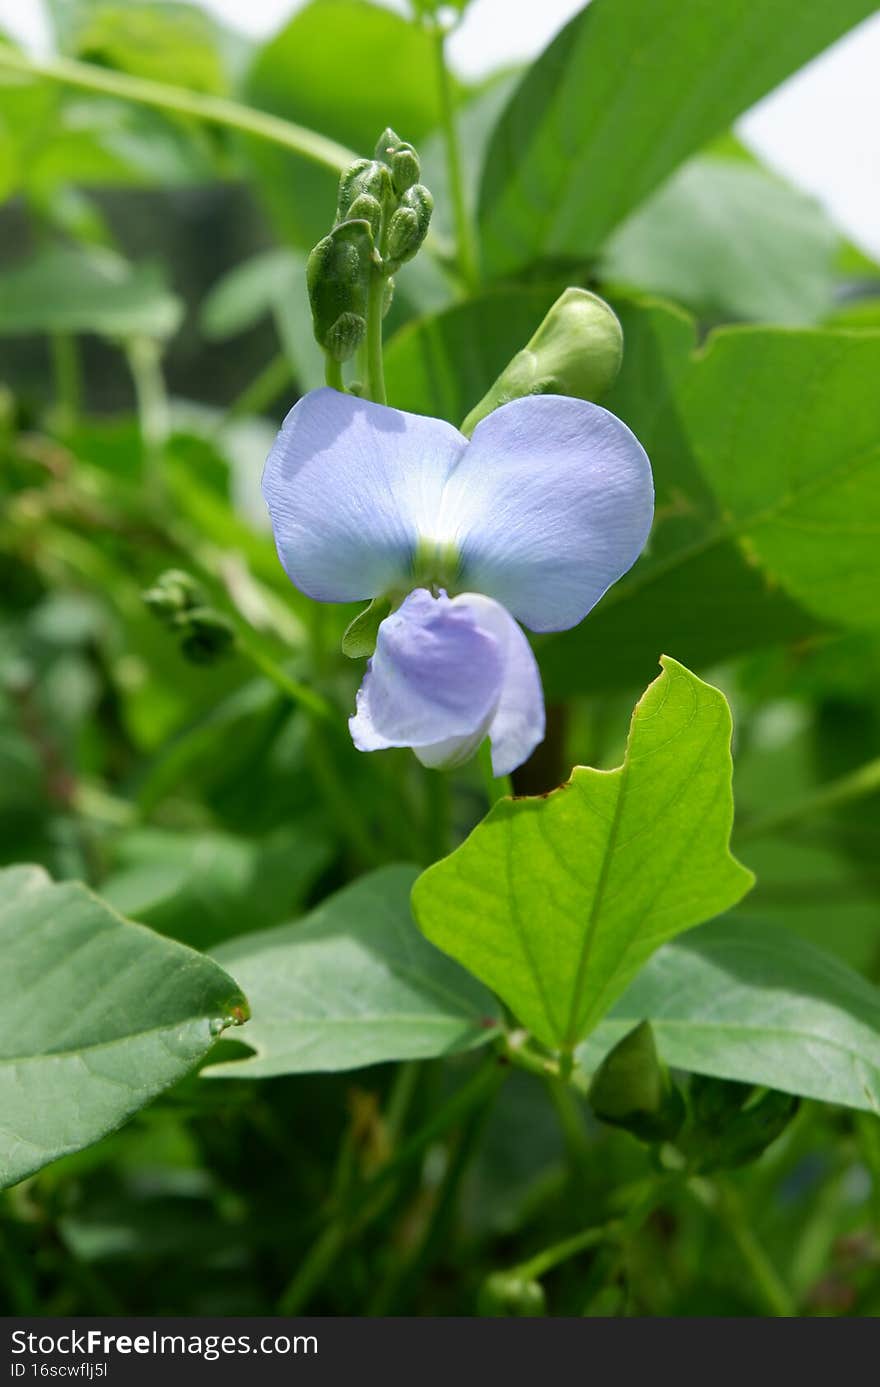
{"points": [[366, 208], [408, 226], [632, 1089], [732, 1123], [338, 277], [406, 168], [207, 635], [173, 592], [576, 351], [364, 176], [509, 1293], [387, 143]]}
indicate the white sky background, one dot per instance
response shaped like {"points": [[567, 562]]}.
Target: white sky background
{"points": [[821, 129]]}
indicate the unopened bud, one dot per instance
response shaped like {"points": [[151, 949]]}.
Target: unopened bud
{"points": [[733, 1123], [408, 226], [173, 592], [632, 1089], [338, 277], [406, 168], [509, 1293], [364, 176], [386, 145], [366, 208], [387, 296], [207, 635], [576, 351]]}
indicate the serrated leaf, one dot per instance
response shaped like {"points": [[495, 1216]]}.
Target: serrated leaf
{"points": [[750, 1001], [557, 901], [352, 984], [622, 96], [98, 1016]]}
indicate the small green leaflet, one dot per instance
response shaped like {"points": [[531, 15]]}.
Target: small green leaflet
{"points": [[557, 901], [98, 1016], [354, 983], [93, 290]]}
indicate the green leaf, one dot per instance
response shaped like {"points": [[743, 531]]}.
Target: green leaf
{"points": [[167, 42], [766, 462], [753, 1002], [786, 430], [348, 69], [621, 97], [66, 290], [202, 888], [354, 983], [729, 240], [556, 902], [98, 1016]]}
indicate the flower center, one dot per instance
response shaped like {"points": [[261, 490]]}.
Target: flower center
{"points": [[436, 565]]}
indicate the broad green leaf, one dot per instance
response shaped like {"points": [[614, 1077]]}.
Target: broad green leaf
{"points": [[249, 292], [348, 69], [166, 42], [66, 290], [623, 95], [99, 1015], [202, 888], [766, 458], [730, 241], [786, 430], [750, 1001], [557, 901], [354, 983]]}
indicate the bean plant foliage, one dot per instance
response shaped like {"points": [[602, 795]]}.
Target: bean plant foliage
{"points": [[378, 931]]}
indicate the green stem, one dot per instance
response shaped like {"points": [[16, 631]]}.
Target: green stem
{"points": [[375, 364], [263, 389], [144, 357], [299, 693], [722, 1200], [466, 241], [437, 800], [65, 367], [856, 785], [333, 372], [352, 1215], [497, 786], [320, 712], [212, 109]]}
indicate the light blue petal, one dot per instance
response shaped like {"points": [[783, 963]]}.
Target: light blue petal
{"points": [[549, 506], [446, 674], [350, 486], [435, 675], [518, 722]]}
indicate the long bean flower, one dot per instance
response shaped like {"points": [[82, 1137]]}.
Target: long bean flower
{"points": [[531, 520]]}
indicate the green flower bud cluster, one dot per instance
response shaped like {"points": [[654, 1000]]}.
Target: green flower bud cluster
{"points": [[382, 218], [180, 603], [717, 1125]]}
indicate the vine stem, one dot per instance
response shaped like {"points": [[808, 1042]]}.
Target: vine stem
{"points": [[497, 786], [720, 1198], [466, 241], [144, 357], [375, 363], [65, 367], [214, 110], [855, 785]]}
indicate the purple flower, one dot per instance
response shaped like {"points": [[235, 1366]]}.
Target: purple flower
{"points": [[534, 518]]}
